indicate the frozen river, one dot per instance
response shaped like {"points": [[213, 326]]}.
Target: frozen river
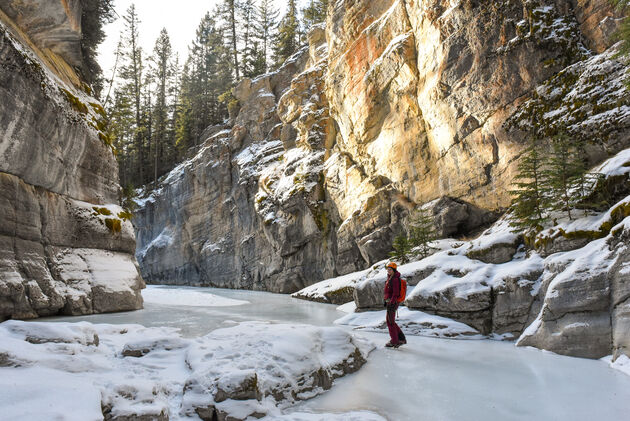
{"points": [[428, 379]]}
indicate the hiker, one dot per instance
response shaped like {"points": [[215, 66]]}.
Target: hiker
{"points": [[392, 293]]}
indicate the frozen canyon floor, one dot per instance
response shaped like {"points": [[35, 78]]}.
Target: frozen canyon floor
{"points": [[428, 379]]}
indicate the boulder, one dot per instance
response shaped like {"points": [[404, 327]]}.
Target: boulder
{"points": [[454, 217], [512, 301]]}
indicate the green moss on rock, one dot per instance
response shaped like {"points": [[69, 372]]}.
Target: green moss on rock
{"points": [[114, 225], [101, 211]]}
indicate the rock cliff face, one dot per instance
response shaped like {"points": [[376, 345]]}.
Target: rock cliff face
{"points": [[65, 246], [393, 104]]}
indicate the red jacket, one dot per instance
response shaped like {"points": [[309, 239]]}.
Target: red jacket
{"points": [[392, 288]]}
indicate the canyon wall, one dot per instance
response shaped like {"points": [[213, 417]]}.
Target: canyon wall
{"points": [[392, 104], [66, 247]]}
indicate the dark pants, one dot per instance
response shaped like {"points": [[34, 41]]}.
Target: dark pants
{"points": [[394, 331]]}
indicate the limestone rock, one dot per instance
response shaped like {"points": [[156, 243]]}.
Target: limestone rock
{"points": [[393, 105], [512, 301], [474, 309], [574, 318], [65, 246], [368, 295], [54, 25], [453, 217], [619, 275]]}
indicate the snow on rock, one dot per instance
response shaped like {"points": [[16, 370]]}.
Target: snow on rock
{"points": [[617, 165], [92, 371], [497, 244], [48, 394], [412, 323], [622, 363], [186, 297], [335, 290], [114, 284], [300, 361]]}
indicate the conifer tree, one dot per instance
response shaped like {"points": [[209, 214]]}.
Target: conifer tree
{"points": [[207, 74], [314, 13], [564, 169], [422, 232], [132, 75], [246, 14], [95, 14], [287, 39], [264, 29], [228, 12], [401, 249], [162, 71], [530, 200]]}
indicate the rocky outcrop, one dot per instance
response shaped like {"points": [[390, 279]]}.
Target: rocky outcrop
{"points": [[65, 246], [51, 25], [393, 105]]}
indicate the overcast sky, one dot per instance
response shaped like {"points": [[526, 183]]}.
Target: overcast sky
{"points": [[180, 18]]}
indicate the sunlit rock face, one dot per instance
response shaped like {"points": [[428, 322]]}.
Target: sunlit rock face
{"points": [[421, 90], [65, 245], [392, 104]]}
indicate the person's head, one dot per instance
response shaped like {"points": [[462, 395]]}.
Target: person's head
{"points": [[391, 268]]}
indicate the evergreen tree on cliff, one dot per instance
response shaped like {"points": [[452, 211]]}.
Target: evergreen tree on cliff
{"points": [[623, 32], [249, 48], [531, 197], [564, 169], [132, 78], [314, 13], [264, 30], [228, 12], [162, 71], [422, 232], [401, 249], [94, 15], [287, 39], [207, 74]]}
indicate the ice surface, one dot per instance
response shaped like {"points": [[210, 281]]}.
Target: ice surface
{"points": [[186, 297], [412, 323], [427, 379]]}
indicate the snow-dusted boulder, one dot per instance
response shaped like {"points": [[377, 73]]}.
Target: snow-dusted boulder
{"points": [[454, 217], [299, 362], [574, 317], [129, 372]]}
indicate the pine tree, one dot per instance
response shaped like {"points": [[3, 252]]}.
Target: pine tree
{"points": [[246, 14], [531, 197], [228, 12], [314, 13], [422, 232], [287, 39], [206, 75], [401, 249], [564, 168], [162, 72], [132, 75], [95, 14], [264, 29]]}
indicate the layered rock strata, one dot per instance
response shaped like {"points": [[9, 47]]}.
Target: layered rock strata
{"points": [[393, 104], [65, 246]]}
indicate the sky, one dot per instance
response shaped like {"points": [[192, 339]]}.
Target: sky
{"points": [[180, 18]]}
